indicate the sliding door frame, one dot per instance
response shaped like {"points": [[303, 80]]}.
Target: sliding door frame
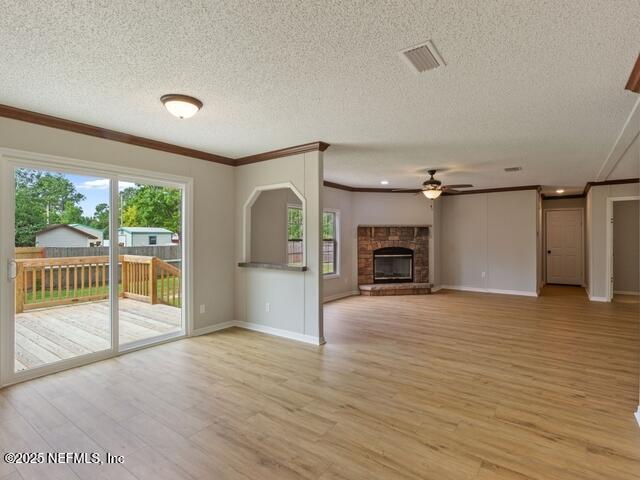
{"points": [[9, 160]]}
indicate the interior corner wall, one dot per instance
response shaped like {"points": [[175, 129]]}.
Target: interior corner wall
{"points": [[392, 209], [489, 242], [213, 215], [294, 297], [597, 233], [370, 208]]}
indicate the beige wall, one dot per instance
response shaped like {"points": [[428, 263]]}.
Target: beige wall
{"points": [[213, 213], [269, 225], [294, 297], [564, 203], [626, 247], [489, 242], [597, 234]]}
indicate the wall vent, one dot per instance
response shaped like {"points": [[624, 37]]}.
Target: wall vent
{"points": [[422, 57], [513, 169]]}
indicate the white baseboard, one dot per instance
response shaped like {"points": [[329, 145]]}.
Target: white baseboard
{"points": [[212, 328], [598, 299], [625, 292], [338, 296], [523, 293], [436, 289], [257, 327], [637, 415]]}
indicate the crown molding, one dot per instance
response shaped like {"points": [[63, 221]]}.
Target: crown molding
{"points": [[347, 188], [28, 116], [494, 190], [562, 197], [282, 152], [608, 182], [93, 131], [633, 83]]}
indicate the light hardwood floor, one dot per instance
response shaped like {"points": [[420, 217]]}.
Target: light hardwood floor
{"points": [[454, 385]]}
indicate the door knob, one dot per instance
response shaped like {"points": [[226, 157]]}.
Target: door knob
{"points": [[548, 251]]}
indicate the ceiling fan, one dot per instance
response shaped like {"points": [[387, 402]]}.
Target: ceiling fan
{"points": [[432, 188]]}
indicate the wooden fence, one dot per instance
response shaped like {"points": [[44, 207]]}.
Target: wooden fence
{"points": [[50, 282]]}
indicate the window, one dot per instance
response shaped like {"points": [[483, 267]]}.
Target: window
{"points": [[294, 234], [330, 242], [153, 240]]}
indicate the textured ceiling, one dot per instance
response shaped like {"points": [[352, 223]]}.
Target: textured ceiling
{"points": [[537, 84]]}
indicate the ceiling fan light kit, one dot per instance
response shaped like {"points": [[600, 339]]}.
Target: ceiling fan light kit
{"points": [[432, 193]]}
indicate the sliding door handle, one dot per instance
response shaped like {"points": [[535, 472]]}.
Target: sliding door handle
{"points": [[12, 268]]}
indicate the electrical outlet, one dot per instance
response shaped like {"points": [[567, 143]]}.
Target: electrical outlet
{"points": [[202, 308], [267, 307]]}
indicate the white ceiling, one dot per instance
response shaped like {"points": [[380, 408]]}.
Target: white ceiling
{"points": [[537, 84]]}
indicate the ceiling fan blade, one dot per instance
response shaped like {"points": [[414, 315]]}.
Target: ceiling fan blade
{"points": [[404, 190], [461, 185], [451, 190]]}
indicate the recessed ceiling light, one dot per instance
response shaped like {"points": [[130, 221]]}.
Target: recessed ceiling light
{"points": [[560, 190], [384, 182], [181, 106]]}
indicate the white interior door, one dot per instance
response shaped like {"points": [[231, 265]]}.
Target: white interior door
{"points": [[564, 246]]}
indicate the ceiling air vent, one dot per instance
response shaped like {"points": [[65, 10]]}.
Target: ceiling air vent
{"points": [[422, 57], [513, 169]]}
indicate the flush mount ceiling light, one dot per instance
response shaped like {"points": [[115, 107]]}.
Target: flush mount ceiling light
{"points": [[560, 190], [181, 106], [384, 182]]}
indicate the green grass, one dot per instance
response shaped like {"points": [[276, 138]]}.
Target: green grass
{"points": [[38, 297], [327, 267]]}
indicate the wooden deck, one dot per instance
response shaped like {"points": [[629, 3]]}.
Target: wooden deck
{"points": [[51, 334]]}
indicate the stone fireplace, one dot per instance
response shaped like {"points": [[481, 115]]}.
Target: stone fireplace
{"points": [[393, 260]]}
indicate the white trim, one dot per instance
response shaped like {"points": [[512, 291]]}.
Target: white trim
{"points": [[625, 292], [246, 217], [583, 224], [212, 328], [257, 327], [523, 293], [436, 289], [637, 415], [337, 233], [598, 299], [338, 296], [609, 244]]}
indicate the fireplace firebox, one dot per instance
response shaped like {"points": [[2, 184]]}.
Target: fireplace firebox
{"points": [[392, 265]]}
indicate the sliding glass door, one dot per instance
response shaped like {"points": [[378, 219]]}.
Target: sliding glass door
{"points": [[150, 240], [60, 267], [92, 264]]}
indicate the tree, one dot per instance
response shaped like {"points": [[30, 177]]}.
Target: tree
{"points": [[43, 198], [152, 206], [100, 219]]}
